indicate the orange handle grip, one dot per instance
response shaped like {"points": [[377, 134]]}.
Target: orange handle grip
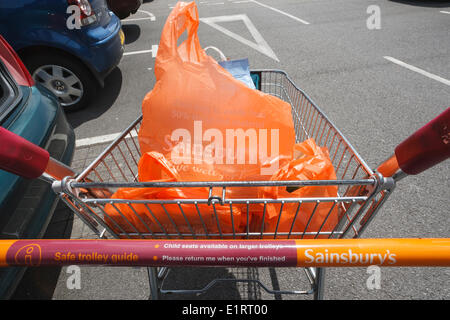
{"points": [[427, 147], [20, 156]]}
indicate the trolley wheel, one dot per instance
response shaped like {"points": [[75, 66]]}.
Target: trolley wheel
{"points": [[319, 283], [153, 282]]}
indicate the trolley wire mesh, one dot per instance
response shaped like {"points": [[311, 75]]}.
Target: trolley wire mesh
{"points": [[356, 201]]}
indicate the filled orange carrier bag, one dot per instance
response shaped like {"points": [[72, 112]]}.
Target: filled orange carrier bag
{"points": [[310, 162], [201, 124], [210, 125]]}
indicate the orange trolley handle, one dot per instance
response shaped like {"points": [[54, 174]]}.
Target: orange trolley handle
{"points": [[23, 158], [424, 149]]}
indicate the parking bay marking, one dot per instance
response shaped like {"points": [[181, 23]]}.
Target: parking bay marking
{"points": [[150, 17], [153, 50], [279, 11], [211, 3], [99, 139], [418, 70], [259, 45]]}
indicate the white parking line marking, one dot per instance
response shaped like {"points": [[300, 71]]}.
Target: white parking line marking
{"points": [[418, 70], [99, 139], [447, 12], [279, 11], [138, 19], [154, 51], [260, 45], [150, 17]]}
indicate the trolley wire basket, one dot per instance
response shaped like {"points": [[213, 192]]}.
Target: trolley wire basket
{"points": [[117, 167]]}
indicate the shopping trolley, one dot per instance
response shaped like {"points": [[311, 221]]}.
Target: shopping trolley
{"points": [[361, 192]]}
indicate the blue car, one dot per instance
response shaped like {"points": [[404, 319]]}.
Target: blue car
{"points": [[31, 111], [68, 46]]}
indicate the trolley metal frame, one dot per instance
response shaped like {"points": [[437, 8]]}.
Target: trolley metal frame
{"points": [[361, 191]]}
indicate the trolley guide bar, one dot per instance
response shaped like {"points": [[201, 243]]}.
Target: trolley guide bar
{"points": [[228, 253], [228, 201], [219, 184]]}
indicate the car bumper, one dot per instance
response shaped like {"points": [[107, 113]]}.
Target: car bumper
{"points": [[104, 55]]}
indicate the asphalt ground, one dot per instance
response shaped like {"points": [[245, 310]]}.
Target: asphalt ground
{"points": [[328, 50]]}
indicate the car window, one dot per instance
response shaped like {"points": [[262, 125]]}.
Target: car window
{"points": [[2, 94], [9, 93]]}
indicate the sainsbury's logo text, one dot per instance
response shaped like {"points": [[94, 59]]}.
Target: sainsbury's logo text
{"points": [[350, 257]]}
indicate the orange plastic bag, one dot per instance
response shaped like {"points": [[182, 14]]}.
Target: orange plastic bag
{"points": [[172, 219], [211, 126], [311, 163]]}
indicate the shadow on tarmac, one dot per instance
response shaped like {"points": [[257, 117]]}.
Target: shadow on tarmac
{"points": [[430, 4], [101, 103], [132, 32]]}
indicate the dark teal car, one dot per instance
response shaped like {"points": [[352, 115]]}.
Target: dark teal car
{"points": [[34, 113]]}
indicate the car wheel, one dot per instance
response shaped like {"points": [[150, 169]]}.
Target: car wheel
{"points": [[65, 77]]}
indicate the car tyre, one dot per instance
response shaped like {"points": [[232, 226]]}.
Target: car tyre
{"points": [[68, 79]]}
